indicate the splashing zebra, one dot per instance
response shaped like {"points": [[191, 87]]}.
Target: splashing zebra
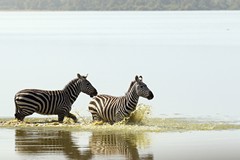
{"points": [[113, 109], [57, 102]]}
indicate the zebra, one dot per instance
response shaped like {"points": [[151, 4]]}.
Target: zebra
{"points": [[112, 109], [56, 102]]}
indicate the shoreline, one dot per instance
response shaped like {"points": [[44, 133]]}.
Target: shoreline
{"points": [[146, 125]]}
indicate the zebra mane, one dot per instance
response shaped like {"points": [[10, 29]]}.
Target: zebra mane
{"points": [[131, 84], [71, 83]]}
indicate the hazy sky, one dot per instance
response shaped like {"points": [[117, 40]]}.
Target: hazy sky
{"points": [[190, 60]]}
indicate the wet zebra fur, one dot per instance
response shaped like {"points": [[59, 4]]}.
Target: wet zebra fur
{"points": [[57, 102], [113, 109]]}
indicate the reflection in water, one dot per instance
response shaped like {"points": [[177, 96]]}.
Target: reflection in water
{"points": [[100, 144], [46, 141], [118, 144]]}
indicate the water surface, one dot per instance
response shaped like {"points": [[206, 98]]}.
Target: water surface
{"points": [[144, 138], [60, 144]]}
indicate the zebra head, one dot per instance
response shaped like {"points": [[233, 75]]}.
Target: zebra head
{"points": [[86, 86], [142, 89]]}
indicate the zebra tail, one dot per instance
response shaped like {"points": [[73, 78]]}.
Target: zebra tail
{"points": [[16, 108]]}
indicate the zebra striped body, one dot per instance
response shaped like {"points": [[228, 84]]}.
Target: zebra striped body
{"points": [[56, 102], [113, 109]]}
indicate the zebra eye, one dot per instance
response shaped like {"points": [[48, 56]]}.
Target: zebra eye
{"points": [[141, 86]]}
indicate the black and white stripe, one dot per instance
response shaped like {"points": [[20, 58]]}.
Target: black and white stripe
{"points": [[113, 109], [114, 144], [56, 102]]}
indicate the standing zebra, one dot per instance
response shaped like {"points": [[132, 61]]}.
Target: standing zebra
{"points": [[113, 109], [56, 102]]}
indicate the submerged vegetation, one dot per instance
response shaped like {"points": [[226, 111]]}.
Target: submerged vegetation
{"points": [[139, 121]]}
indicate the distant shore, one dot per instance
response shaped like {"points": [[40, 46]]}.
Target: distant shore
{"points": [[113, 5]]}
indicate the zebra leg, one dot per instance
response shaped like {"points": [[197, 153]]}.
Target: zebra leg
{"points": [[22, 112], [61, 114], [60, 118], [70, 115], [119, 117], [19, 116], [96, 118]]}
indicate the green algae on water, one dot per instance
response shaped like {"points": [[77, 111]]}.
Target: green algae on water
{"points": [[139, 121], [151, 125]]}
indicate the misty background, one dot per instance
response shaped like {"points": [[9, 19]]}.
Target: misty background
{"points": [[190, 60]]}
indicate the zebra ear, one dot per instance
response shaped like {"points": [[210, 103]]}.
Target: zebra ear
{"points": [[79, 76], [136, 78]]}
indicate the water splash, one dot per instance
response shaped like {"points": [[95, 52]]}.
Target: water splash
{"points": [[138, 116]]}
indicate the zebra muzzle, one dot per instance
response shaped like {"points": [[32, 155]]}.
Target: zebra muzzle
{"points": [[94, 94], [150, 96]]}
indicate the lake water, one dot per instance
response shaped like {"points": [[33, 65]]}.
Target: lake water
{"points": [[60, 144], [189, 59]]}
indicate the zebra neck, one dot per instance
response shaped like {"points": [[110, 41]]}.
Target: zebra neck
{"points": [[131, 100], [73, 89]]}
